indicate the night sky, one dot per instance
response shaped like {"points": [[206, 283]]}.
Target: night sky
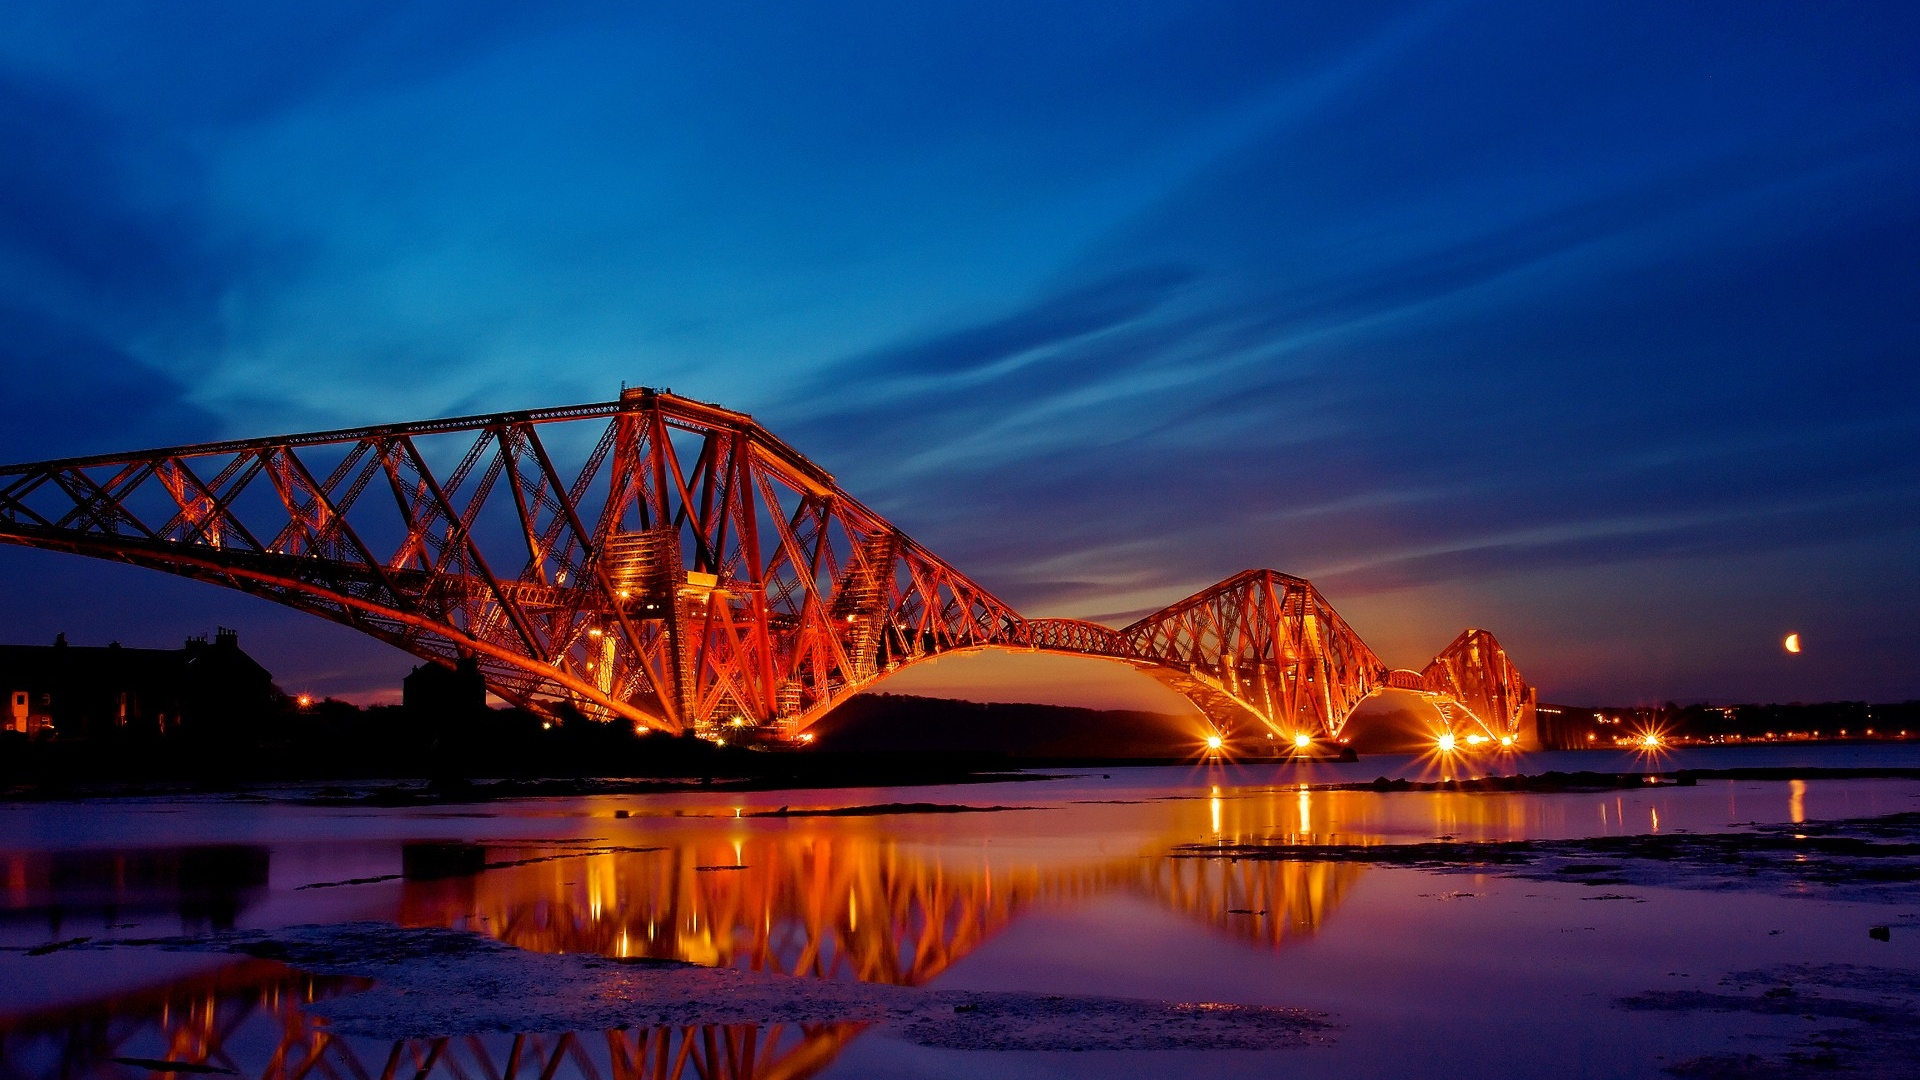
{"points": [[1597, 325]]}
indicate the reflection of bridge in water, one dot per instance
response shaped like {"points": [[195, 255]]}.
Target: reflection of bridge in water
{"points": [[820, 898], [248, 1020], [686, 571], [861, 908]]}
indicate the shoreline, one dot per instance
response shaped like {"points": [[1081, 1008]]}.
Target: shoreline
{"points": [[880, 771]]}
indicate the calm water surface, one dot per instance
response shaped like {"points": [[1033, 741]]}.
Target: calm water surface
{"points": [[1072, 892]]}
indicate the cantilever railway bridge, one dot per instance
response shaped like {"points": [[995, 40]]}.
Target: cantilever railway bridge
{"points": [[673, 564]]}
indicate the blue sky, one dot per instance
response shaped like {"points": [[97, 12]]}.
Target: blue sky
{"points": [[1593, 324]]}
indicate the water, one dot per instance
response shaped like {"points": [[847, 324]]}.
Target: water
{"points": [[1070, 892]]}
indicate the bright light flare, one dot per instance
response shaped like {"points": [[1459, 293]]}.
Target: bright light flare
{"points": [[1476, 740], [1302, 740], [1215, 742], [1446, 743], [305, 701], [1506, 741], [1649, 742]]}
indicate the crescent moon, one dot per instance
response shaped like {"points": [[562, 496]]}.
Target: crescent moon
{"points": [[1793, 643]]}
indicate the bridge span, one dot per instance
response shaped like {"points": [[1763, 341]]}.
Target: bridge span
{"points": [[671, 563]]}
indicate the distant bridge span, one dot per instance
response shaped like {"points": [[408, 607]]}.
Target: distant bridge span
{"points": [[688, 572]]}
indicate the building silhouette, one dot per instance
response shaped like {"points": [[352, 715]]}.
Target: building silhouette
{"points": [[438, 694], [75, 691]]}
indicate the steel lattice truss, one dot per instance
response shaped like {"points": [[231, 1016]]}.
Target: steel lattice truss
{"points": [[1267, 645], [1475, 672], [669, 563], [692, 570]]}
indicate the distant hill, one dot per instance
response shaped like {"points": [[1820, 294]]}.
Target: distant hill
{"points": [[895, 723]]}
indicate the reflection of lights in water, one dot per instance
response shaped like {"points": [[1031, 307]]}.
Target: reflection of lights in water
{"points": [[911, 911], [250, 1019], [1797, 801], [844, 900], [1655, 811]]}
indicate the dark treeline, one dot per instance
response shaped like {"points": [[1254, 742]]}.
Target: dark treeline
{"points": [[894, 723], [453, 740], [450, 741], [872, 738], [336, 740]]}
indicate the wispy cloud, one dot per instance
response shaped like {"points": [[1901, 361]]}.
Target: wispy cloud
{"points": [[1103, 304]]}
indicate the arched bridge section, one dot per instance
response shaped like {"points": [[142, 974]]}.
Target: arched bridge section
{"points": [[669, 563], [687, 570], [1265, 650]]}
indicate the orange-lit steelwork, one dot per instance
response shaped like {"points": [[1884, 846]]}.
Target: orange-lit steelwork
{"points": [[1266, 647], [692, 572]]}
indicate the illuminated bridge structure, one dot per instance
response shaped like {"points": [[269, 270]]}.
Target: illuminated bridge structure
{"points": [[673, 564]]}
